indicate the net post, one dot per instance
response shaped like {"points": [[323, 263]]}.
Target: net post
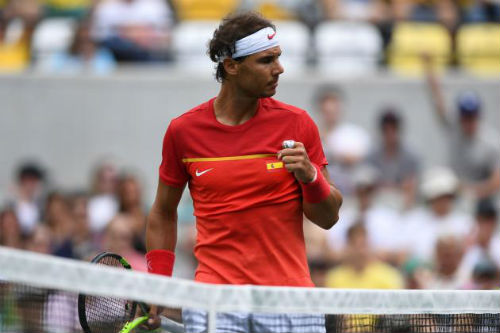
{"points": [[212, 314]]}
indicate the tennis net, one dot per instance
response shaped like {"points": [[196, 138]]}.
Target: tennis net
{"points": [[39, 293]]}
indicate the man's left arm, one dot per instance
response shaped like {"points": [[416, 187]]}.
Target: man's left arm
{"points": [[321, 199]]}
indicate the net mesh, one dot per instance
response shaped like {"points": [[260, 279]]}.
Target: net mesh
{"points": [[40, 294], [27, 309]]}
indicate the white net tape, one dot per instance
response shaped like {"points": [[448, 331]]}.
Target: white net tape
{"points": [[70, 275]]}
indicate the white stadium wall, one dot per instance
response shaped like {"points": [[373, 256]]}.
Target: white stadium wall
{"points": [[69, 123]]}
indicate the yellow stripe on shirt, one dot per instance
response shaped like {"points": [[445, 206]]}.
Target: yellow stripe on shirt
{"points": [[226, 158]]}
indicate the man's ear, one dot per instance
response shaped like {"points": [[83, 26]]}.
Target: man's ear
{"points": [[231, 66]]}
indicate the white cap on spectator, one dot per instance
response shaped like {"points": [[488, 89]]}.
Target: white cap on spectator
{"points": [[439, 181]]}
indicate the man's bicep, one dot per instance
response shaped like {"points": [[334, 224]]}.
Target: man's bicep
{"points": [[167, 197]]}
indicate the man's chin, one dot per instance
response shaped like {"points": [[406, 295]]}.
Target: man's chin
{"points": [[269, 93]]}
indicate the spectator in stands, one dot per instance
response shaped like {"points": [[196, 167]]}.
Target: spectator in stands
{"points": [[474, 11], [28, 196], [417, 273], [317, 245], [119, 238], [15, 55], [396, 164], [485, 276], [486, 240], [84, 55], [40, 240], [130, 202], [381, 222], [360, 269], [103, 204], [10, 231], [346, 145], [319, 271], [474, 147], [84, 245], [60, 221], [423, 226], [448, 256], [442, 11], [134, 30], [373, 11], [68, 8]]}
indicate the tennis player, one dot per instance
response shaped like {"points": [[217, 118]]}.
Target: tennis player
{"points": [[249, 192]]}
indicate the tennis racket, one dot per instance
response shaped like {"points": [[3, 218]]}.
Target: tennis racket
{"points": [[103, 314]]}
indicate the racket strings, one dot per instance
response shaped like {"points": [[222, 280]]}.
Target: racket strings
{"points": [[108, 314]]}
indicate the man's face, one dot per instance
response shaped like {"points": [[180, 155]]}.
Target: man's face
{"points": [[258, 74], [486, 229], [330, 109], [390, 134], [469, 124], [442, 205], [30, 186], [448, 256]]}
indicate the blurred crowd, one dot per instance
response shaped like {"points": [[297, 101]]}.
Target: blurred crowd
{"points": [[108, 32], [405, 223], [109, 216]]}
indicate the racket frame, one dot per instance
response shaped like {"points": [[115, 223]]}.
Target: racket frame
{"points": [[129, 324]]}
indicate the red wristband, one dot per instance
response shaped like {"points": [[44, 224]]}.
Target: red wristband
{"points": [[317, 190], [160, 262]]}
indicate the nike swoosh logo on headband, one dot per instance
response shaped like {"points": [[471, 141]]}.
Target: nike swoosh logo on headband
{"points": [[271, 36]]}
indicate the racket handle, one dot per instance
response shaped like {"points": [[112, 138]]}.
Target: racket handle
{"points": [[144, 307], [171, 326], [134, 324]]}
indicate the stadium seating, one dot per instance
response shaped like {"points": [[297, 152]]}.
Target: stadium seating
{"points": [[14, 52], [347, 48], [411, 40], [190, 40], [274, 11], [51, 36], [14, 30], [478, 48], [204, 10], [189, 44], [295, 45]]}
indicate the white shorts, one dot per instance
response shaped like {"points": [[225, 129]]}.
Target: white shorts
{"points": [[196, 321]]}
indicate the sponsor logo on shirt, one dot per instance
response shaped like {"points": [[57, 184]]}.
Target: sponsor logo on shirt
{"points": [[199, 173]]}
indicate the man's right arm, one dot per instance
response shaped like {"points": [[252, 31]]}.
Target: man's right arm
{"points": [[161, 232], [435, 91], [161, 228]]}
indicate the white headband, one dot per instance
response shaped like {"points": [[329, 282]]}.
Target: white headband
{"points": [[261, 40]]}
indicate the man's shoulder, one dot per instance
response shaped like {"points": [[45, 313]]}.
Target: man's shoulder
{"points": [[189, 116], [276, 105]]}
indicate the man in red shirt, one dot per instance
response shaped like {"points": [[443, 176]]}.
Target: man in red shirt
{"points": [[249, 191]]}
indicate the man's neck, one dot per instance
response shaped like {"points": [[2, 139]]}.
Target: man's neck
{"points": [[232, 107]]}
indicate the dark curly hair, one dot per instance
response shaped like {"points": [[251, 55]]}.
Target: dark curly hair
{"points": [[231, 29]]}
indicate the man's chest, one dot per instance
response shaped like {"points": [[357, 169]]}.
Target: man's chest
{"points": [[233, 176]]}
